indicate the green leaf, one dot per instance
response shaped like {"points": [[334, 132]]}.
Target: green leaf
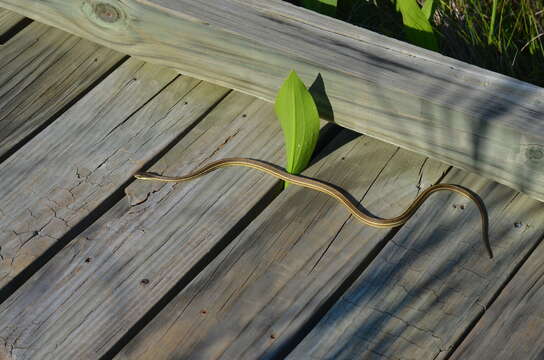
{"points": [[429, 6], [299, 119], [327, 7], [417, 28]]}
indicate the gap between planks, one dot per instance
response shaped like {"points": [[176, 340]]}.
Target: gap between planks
{"points": [[512, 326], [259, 293], [10, 24], [44, 72], [87, 220], [415, 298], [158, 235], [428, 285], [57, 179], [466, 116]]}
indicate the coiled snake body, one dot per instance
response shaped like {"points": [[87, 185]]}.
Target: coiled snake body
{"points": [[332, 191]]}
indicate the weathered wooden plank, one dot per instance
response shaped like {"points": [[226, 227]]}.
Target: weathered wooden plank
{"points": [[43, 70], [513, 326], [259, 292], [89, 152], [85, 298], [463, 115], [431, 281], [8, 19]]}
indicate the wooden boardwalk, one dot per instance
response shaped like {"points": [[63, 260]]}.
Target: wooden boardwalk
{"points": [[97, 265]]}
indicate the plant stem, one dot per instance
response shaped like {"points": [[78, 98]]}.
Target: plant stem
{"points": [[492, 24]]}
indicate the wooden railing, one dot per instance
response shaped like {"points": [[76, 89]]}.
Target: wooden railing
{"points": [[463, 115]]}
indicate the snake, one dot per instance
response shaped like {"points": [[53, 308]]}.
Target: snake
{"points": [[334, 192]]}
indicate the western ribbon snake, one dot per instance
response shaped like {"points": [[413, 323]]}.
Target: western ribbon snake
{"points": [[335, 193]]}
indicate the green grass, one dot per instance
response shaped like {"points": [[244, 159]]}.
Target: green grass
{"points": [[506, 36]]}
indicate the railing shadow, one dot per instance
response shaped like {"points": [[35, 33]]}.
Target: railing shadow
{"points": [[431, 314], [374, 334]]}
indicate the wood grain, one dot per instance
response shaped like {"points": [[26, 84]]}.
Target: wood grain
{"points": [[261, 290], [8, 19], [463, 115], [43, 70], [89, 152], [513, 326], [89, 295], [431, 281]]}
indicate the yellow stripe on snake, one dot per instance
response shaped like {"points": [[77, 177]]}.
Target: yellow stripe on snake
{"points": [[335, 193]]}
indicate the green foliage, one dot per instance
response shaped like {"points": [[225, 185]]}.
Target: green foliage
{"points": [[492, 24], [506, 36], [299, 119], [428, 8], [417, 27], [327, 7]]}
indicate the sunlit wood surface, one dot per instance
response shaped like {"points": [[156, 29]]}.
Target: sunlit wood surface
{"points": [[97, 265]]}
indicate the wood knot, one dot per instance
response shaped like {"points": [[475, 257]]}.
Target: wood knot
{"points": [[107, 13], [534, 155]]}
